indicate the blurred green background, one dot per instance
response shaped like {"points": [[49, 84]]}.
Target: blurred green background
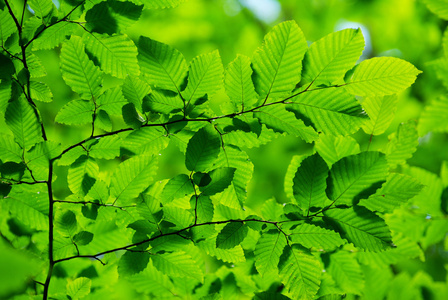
{"points": [[399, 28]]}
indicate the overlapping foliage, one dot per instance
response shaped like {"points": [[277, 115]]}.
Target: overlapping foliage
{"points": [[192, 235]]}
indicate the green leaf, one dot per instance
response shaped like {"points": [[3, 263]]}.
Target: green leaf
{"points": [[150, 210], [180, 217], [281, 120], [35, 66], [177, 264], [380, 76], [179, 186], [331, 110], [116, 54], [41, 8], [151, 281], [313, 236], [132, 177], [78, 70], [361, 227], [346, 271], [204, 209], [233, 255], [381, 111], [52, 36], [332, 148], [40, 92], [76, 112], [309, 183], [438, 7], [277, 63], [202, 150], [354, 174], [79, 288], [37, 159], [162, 102], [108, 147], [22, 121], [82, 175], [7, 25], [132, 263], [66, 223], [205, 76], [231, 235], [83, 238], [239, 85], [220, 180], [402, 144], [433, 117], [134, 90], [157, 4], [268, 251], [112, 101], [397, 189], [112, 16], [9, 150], [329, 58], [146, 140], [29, 204], [300, 272], [163, 66]]}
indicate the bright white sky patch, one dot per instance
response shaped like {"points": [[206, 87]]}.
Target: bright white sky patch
{"points": [[266, 10]]}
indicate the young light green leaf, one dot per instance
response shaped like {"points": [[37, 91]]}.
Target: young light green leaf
{"points": [[76, 112], [108, 147], [332, 148], [204, 209], [132, 177], [134, 90], [433, 117], [438, 7], [66, 223], [41, 8], [346, 271], [402, 144], [277, 63], [300, 272], [281, 120], [82, 175], [268, 251], [9, 150], [35, 66], [309, 183], [233, 255], [157, 4], [112, 101], [22, 121], [177, 264], [397, 189], [329, 58], [7, 25], [331, 110], [220, 180], [149, 209], [233, 157], [313, 236], [231, 235], [52, 36], [202, 150], [163, 66], [162, 102], [146, 140], [112, 16], [361, 227], [205, 76], [40, 92], [132, 263], [79, 288], [116, 54], [354, 174], [179, 186], [381, 76], [381, 111], [83, 238], [78, 70], [239, 85]]}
